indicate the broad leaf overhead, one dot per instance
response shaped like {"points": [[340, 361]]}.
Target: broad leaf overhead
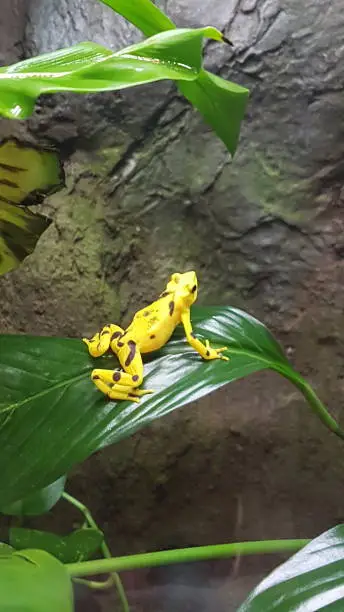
{"points": [[89, 67], [38, 502], [143, 14], [311, 580], [168, 53], [221, 103], [47, 397], [27, 174]]}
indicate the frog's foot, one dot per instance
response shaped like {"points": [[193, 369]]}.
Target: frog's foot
{"points": [[118, 385], [100, 343], [135, 394], [214, 353]]}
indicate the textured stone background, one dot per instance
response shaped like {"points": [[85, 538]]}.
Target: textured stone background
{"points": [[151, 190]]}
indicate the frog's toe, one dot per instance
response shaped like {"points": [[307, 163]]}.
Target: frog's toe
{"points": [[93, 345], [115, 395], [87, 342], [140, 392], [133, 398], [135, 394], [219, 353]]}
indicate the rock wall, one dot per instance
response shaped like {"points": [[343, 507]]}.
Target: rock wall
{"points": [[12, 27], [151, 190]]}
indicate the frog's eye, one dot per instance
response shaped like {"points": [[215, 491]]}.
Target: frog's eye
{"points": [[194, 288], [175, 278]]}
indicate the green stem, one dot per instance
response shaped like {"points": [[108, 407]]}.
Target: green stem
{"points": [[311, 397], [104, 548], [97, 585], [319, 408], [183, 555]]}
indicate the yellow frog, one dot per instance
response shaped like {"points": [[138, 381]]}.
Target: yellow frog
{"points": [[149, 330]]}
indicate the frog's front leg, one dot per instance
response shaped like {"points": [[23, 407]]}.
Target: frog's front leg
{"points": [[122, 385], [205, 350]]}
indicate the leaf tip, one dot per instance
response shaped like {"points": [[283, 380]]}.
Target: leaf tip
{"points": [[227, 41]]}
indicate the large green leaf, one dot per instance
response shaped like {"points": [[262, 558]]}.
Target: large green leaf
{"points": [[34, 581], [169, 54], [52, 416], [37, 503], [311, 580], [88, 67], [143, 14], [80, 545], [27, 174], [221, 103]]}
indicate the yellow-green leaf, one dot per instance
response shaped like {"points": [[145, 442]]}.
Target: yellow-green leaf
{"points": [[27, 174], [34, 581]]}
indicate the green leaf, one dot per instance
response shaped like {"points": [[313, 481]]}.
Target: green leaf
{"points": [[170, 53], [37, 503], [53, 417], [143, 14], [48, 402], [88, 67], [77, 546], [221, 103], [311, 580], [5, 550], [27, 175], [34, 581]]}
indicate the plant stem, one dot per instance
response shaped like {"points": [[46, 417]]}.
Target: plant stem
{"points": [[96, 584], [319, 408], [315, 403], [183, 555], [104, 548]]}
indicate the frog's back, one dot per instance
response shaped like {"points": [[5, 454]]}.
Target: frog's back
{"points": [[153, 326]]}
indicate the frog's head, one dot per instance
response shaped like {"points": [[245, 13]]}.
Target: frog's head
{"points": [[184, 286]]}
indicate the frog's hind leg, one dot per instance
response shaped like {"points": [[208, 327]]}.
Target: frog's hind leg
{"points": [[122, 384], [101, 342]]}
